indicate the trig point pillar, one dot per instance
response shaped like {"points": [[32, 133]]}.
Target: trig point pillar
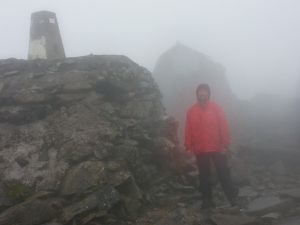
{"points": [[45, 40]]}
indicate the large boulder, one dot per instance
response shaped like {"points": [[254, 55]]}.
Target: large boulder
{"points": [[87, 130]]}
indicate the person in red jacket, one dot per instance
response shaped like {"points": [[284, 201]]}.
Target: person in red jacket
{"points": [[207, 136]]}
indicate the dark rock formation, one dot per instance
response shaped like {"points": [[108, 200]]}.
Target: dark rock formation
{"points": [[83, 134]]}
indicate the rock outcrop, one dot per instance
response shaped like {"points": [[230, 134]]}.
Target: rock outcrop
{"points": [[80, 137]]}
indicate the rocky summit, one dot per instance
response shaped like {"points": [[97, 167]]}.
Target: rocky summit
{"points": [[80, 137], [85, 141]]}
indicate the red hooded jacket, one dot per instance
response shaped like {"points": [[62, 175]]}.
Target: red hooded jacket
{"points": [[206, 128]]}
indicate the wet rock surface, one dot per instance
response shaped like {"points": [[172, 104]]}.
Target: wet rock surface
{"points": [[84, 130], [263, 205]]}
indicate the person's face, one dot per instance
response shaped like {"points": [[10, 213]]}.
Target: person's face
{"points": [[202, 95]]}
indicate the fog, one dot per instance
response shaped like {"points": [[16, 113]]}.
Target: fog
{"points": [[256, 41], [90, 140]]}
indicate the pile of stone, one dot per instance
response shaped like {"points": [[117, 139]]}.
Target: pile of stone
{"points": [[80, 140]]}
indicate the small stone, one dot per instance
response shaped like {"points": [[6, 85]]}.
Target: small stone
{"points": [[21, 161], [10, 73], [102, 199], [52, 223], [293, 193], [222, 219], [263, 205], [247, 191], [272, 215]]}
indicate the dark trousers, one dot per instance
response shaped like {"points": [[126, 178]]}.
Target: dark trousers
{"points": [[221, 164]]}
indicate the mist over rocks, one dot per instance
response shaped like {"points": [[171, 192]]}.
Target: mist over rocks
{"points": [[266, 121], [80, 136], [86, 140], [271, 122], [264, 129], [180, 70]]}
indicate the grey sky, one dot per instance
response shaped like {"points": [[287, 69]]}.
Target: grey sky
{"points": [[258, 41]]}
